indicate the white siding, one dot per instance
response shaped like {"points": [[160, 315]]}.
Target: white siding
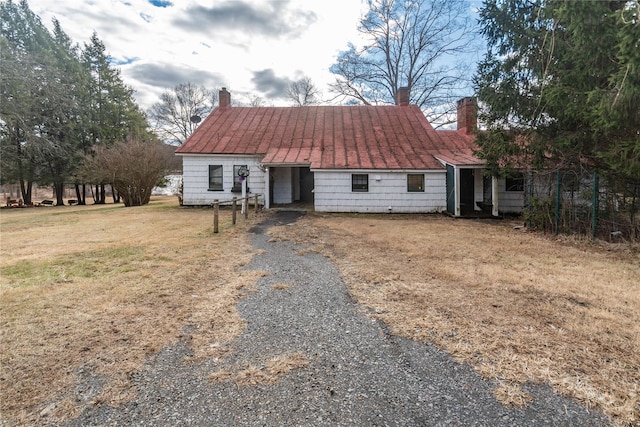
{"points": [[509, 201], [196, 178], [333, 192]]}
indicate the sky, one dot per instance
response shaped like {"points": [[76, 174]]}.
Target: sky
{"points": [[251, 47]]}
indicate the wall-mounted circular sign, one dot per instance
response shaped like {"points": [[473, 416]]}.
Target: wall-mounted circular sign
{"points": [[243, 171]]}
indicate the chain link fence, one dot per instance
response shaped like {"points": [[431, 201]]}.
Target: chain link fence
{"points": [[583, 202]]}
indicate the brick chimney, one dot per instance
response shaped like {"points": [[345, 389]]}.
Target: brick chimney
{"points": [[467, 115], [224, 98], [402, 96]]}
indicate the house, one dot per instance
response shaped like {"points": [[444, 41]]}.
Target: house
{"points": [[341, 159]]}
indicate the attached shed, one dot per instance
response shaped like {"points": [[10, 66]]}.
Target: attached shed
{"points": [[339, 158]]}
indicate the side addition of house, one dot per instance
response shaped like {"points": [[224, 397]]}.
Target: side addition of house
{"points": [[368, 159]]}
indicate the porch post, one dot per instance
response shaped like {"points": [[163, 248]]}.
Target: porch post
{"points": [[267, 186], [494, 196], [457, 190]]}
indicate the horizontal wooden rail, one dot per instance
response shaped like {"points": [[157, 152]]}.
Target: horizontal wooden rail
{"points": [[234, 207]]}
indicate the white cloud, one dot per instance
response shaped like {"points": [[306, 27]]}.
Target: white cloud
{"points": [[245, 45]]}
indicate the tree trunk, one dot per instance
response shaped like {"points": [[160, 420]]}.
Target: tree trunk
{"points": [[58, 189], [99, 196], [81, 195], [26, 189], [115, 194]]}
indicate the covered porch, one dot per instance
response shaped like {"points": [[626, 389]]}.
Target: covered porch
{"points": [[469, 192], [288, 184]]}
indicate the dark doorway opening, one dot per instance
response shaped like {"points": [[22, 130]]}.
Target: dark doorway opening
{"points": [[306, 185], [467, 201]]}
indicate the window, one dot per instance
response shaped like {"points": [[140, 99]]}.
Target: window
{"points": [[570, 181], [360, 183], [237, 184], [415, 182], [515, 183], [215, 177]]}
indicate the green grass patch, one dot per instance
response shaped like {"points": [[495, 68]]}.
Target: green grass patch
{"points": [[12, 222], [106, 261]]}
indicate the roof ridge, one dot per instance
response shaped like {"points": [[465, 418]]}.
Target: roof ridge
{"points": [[331, 137]]}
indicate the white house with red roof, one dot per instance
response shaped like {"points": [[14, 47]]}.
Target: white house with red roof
{"points": [[368, 159]]}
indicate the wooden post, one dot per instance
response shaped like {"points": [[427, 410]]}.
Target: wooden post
{"points": [[216, 208], [558, 200], [529, 198], [255, 201], [245, 207], [234, 207], [596, 194]]}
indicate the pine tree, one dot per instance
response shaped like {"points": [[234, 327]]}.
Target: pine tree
{"points": [[111, 112], [560, 85], [33, 99], [58, 102]]}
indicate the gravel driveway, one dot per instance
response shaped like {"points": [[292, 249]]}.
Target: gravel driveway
{"points": [[357, 373]]}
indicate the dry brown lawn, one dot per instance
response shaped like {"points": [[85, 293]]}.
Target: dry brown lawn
{"points": [[100, 288], [103, 287], [519, 307]]}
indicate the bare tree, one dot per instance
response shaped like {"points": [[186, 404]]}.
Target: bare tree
{"points": [[256, 101], [303, 92], [133, 167], [178, 113], [409, 43]]}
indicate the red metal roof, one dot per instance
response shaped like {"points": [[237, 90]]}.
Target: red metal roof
{"points": [[458, 149], [329, 137]]}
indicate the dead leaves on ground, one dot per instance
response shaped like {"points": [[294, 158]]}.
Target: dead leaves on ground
{"points": [[264, 373]]}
